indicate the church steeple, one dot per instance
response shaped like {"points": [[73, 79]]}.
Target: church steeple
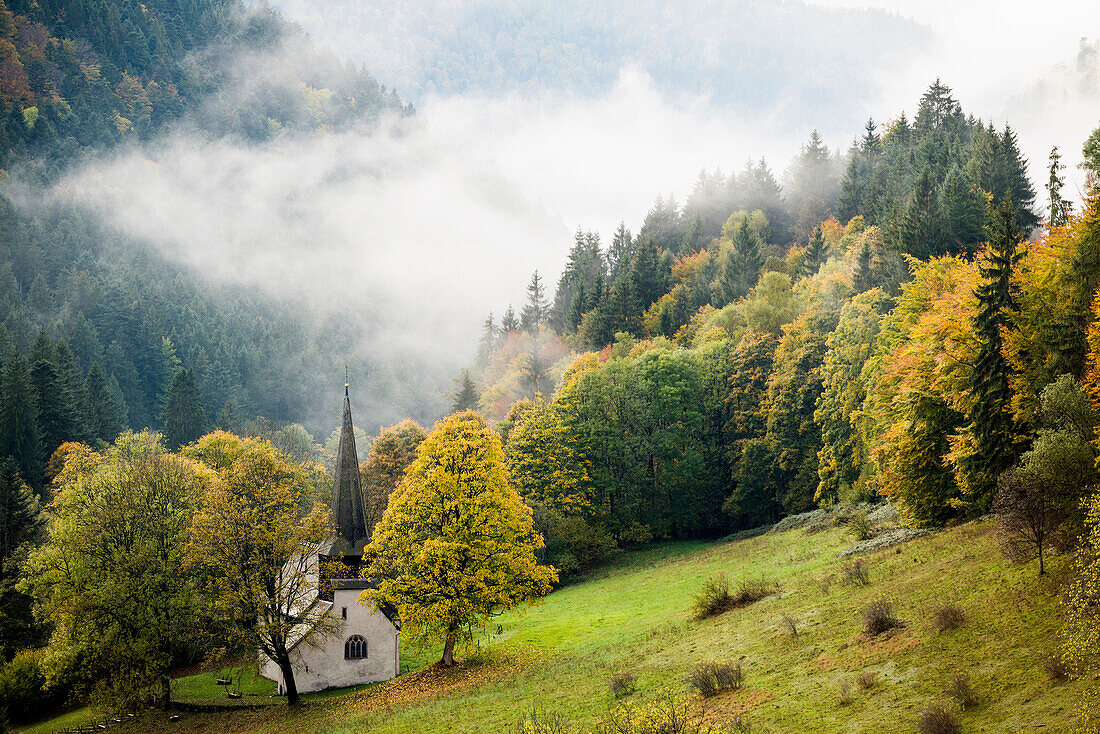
{"points": [[347, 490]]}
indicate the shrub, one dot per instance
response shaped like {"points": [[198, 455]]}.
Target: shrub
{"points": [[537, 722], [960, 689], [879, 617], [1056, 668], [23, 689], [671, 714], [948, 617], [857, 573], [623, 684], [861, 526], [867, 679], [789, 626], [844, 693], [712, 678], [713, 599], [937, 719]]}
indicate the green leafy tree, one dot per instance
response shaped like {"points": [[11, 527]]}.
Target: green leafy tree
{"points": [[457, 544], [111, 575], [184, 416]]}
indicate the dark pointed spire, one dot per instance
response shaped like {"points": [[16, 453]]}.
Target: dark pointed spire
{"points": [[347, 490]]}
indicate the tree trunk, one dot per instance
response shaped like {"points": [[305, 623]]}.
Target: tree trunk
{"points": [[288, 679], [449, 650], [1041, 569], [165, 692]]}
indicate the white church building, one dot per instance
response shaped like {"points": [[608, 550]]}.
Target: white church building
{"points": [[365, 647]]}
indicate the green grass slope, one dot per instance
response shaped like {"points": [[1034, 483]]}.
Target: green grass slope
{"points": [[636, 616]]}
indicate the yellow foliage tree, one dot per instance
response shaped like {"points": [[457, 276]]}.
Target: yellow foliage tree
{"points": [[456, 545], [252, 544]]}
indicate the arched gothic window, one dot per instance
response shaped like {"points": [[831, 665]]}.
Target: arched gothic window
{"points": [[355, 648]]}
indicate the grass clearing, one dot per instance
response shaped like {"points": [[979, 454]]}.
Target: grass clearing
{"points": [[636, 615]]}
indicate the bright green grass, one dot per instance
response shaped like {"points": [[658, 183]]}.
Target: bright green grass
{"points": [[204, 686], [79, 717], [636, 616]]}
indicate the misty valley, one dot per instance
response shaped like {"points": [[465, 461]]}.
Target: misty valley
{"points": [[579, 368]]}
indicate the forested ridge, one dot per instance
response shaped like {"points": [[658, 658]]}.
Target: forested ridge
{"points": [[103, 314], [905, 319]]}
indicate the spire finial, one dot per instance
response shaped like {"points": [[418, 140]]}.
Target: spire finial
{"points": [[345, 380]]}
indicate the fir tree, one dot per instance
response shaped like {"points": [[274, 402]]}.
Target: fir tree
{"points": [[184, 417], [56, 423], [1013, 169], [1060, 209], [990, 419], [43, 350], [229, 419], [620, 252], [535, 311], [508, 322], [19, 437], [746, 248], [105, 414], [488, 342], [814, 255], [466, 397], [75, 391], [964, 207], [20, 524], [863, 280]]}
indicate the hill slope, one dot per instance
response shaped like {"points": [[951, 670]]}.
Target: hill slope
{"points": [[636, 616]]}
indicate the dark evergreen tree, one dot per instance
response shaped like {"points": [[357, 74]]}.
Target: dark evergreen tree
{"points": [[535, 311], [20, 525], [56, 421], [1013, 168], [184, 416], [508, 322], [815, 254], [43, 350], [649, 278], [19, 437], [229, 419], [74, 390], [585, 271], [466, 397], [620, 252], [746, 250], [488, 342], [964, 212], [1060, 209], [990, 419], [105, 412], [863, 279]]}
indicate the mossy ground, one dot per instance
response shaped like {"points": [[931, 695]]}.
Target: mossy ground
{"points": [[635, 615]]}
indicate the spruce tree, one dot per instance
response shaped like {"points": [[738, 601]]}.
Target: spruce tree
{"points": [[229, 419], [508, 323], [1060, 209], [863, 280], [535, 311], [488, 342], [1013, 175], [105, 414], [746, 248], [814, 256], [75, 391], [964, 211], [19, 437], [56, 421], [621, 251], [43, 350], [990, 420], [184, 417], [20, 523], [466, 397]]}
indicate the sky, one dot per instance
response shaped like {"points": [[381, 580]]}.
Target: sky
{"points": [[442, 223]]}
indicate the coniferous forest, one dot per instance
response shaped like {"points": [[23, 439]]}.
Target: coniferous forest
{"points": [[910, 319]]}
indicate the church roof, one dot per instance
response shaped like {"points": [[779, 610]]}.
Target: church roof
{"points": [[347, 489]]}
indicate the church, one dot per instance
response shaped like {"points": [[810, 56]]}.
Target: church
{"points": [[365, 647]]}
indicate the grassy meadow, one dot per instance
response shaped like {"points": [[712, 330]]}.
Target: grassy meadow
{"points": [[636, 616]]}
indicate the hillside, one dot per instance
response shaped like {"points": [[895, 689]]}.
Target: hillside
{"points": [[636, 616]]}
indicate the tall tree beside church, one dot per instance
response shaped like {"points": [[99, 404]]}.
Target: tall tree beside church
{"points": [[536, 310], [990, 419], [457, 545], [246, 542], [19, 437], [1060, 209], [390, 455], [111, 575], [184, 416]]}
